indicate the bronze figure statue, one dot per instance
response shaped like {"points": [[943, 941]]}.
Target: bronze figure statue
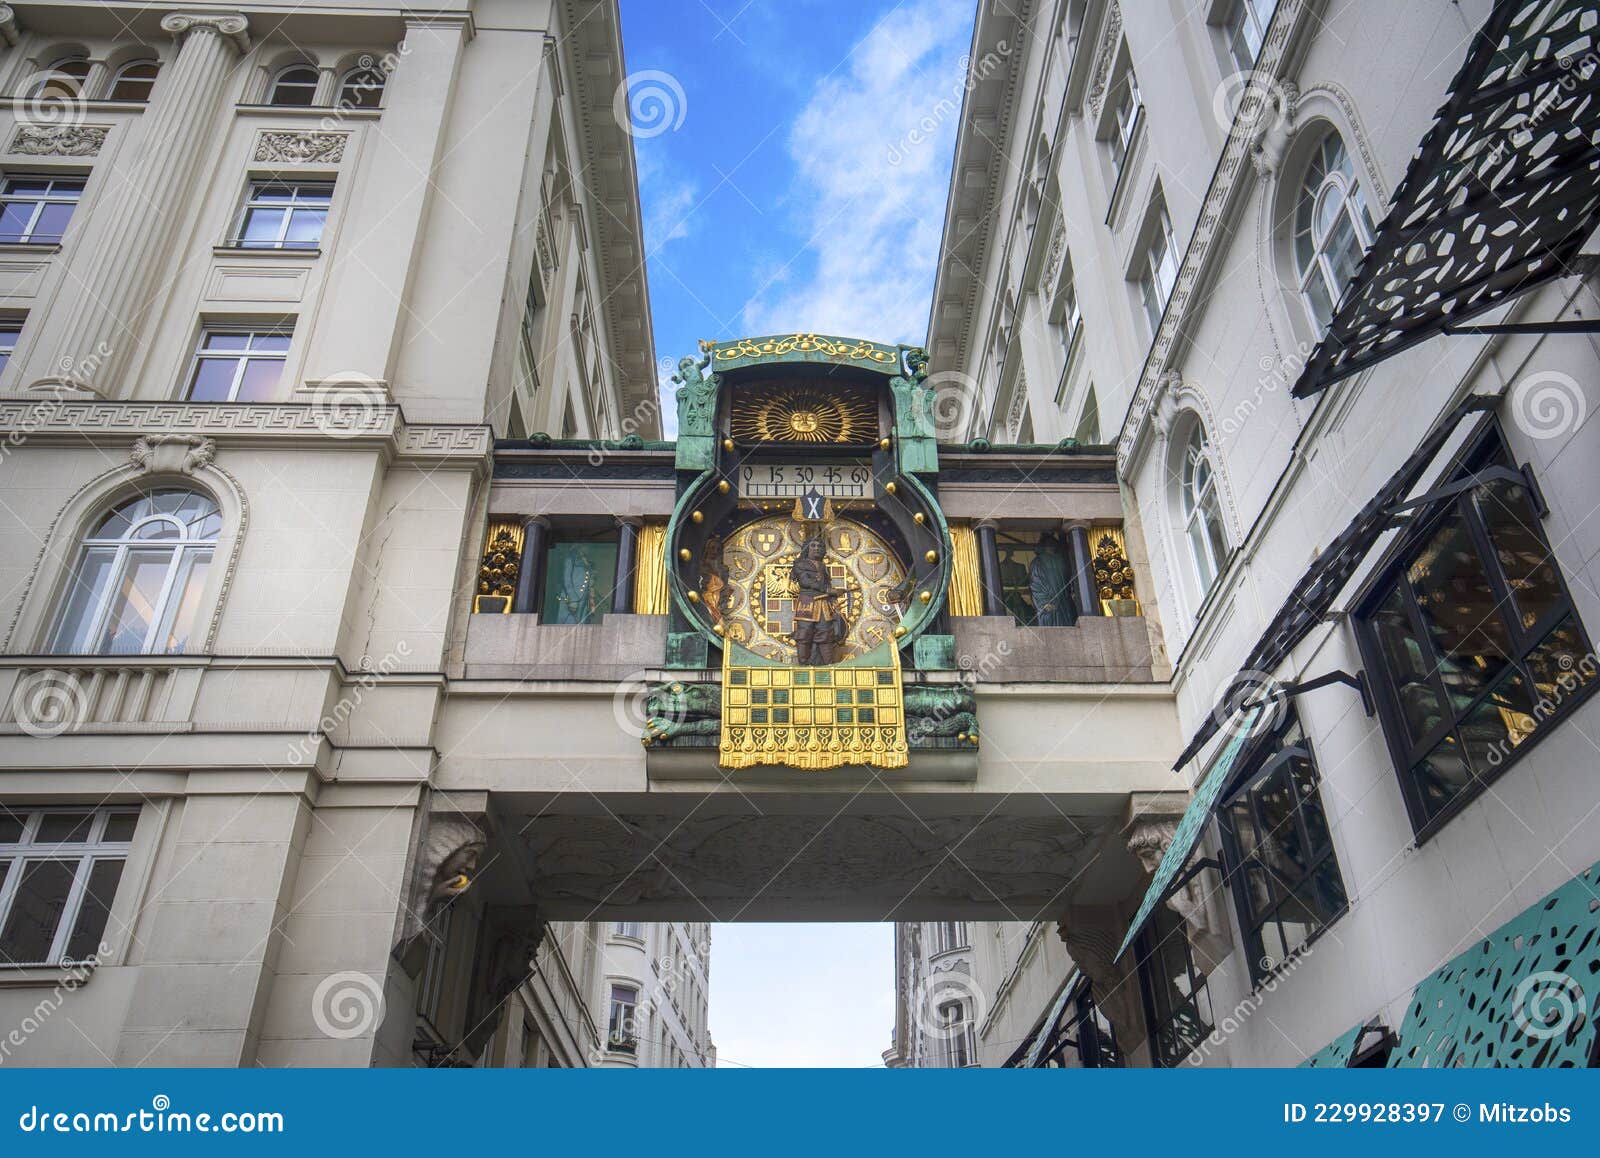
{"points": [[818, 624]]}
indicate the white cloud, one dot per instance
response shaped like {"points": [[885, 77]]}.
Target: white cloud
{"points": [[872, 150], [668, 199]]}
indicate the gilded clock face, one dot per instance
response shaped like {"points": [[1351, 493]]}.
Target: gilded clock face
{"points": [[757, 597]]}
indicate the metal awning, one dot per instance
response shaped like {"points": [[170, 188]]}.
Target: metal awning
{"points": [[1312, 598], [1500, 197], [1193, 821]]}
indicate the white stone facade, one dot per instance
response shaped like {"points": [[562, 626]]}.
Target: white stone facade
{"points": [[1049, 185], [473, 270]]}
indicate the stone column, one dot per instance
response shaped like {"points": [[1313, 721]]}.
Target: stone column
{"points": [[535, 534], [989, 568], [627, 564], [127, 237], [1083, 590]]}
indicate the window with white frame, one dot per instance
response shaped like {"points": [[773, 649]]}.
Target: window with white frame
{"points": [[1244, 29], [139, 577], [294, 87], [1127, 107], [1068, 320], [1202, 510], [1087, 431], [10, 331], [134, 81], [63, 80], [234, 365], [1159, 273], [956, 1031], [622, 1026], [284, 215], [361, 88], [948, 935], [35, 209], [1332, 228], [59, 871], [630, 929]]}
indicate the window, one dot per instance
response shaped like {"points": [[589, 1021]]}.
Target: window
{"points": [[139, 577], [1068, 319], [956, 1031], [1125, 113], [10, 331], [621, 1029], [630, 929], [362, 88], [1286, 881], [1088, 431], [63, 80], [1332, 229], [1472, 641], [238, 365], [1202, 511], [948, 935], [1160, 271], [1245, 30], [34, 210], [580, 572], [284, 215], [1177, 1005], [134, 81], [295, 86], [59, 870]]}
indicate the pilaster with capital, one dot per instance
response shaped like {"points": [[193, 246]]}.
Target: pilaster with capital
{"points": [[128, 235]]}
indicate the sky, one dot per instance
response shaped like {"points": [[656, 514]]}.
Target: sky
{"points": [[794, 162]]}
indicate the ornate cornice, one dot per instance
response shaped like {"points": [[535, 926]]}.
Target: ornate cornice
{"points": [[300, 147], [231, 26], [1232, 168], [94, 421]]}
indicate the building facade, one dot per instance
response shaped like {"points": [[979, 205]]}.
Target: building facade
{"points": [[275, 278], [1226, 243]]}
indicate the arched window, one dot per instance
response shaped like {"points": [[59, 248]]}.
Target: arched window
{"points": [[139, 576], [1332, 229], [134, 81], [63, 80], [1202, 512], [362, 88], [295, 86]]}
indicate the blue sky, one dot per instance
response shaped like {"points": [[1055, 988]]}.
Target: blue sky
{"points": [[782, 192], [780, 188]]}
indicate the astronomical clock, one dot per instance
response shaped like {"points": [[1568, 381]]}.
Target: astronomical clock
{"points": [[807, 548]]}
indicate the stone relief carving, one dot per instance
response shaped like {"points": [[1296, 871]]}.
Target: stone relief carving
{"points": [[1110, 39], [172, 453], [446, 868], [1092, 935], [1195, 902], [232, 26], [58, 140], [300, 148]]}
